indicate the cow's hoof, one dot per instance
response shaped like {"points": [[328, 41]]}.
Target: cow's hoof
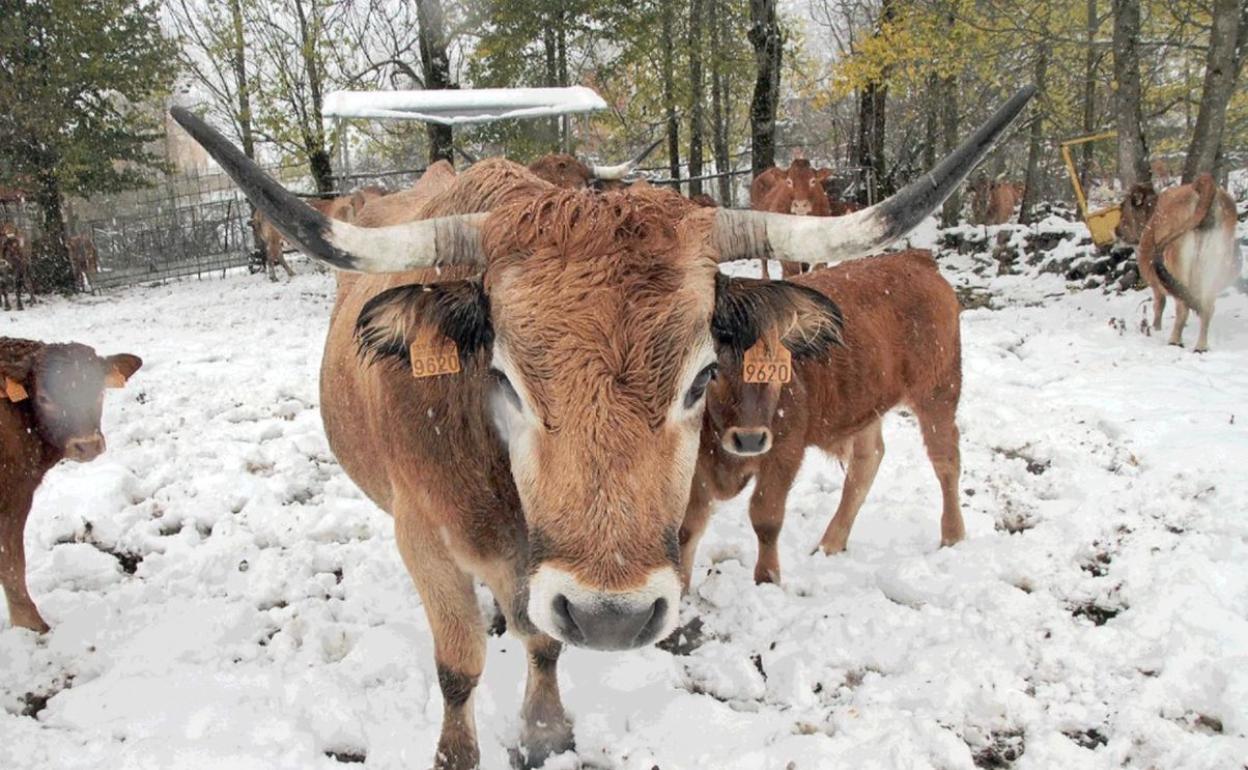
{"points": [[540, 744]]}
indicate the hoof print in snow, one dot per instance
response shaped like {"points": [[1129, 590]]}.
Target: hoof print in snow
{"points": [[347, 756], [1099, 614], [1202, 723], [35, 702], [1090, 739], [684, 640], [1097, 565], [1035, 466], [1003, 750], [1014, 520]]}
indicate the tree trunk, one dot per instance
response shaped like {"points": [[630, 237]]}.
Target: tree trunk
{"points": [[239, 60], [50, 262], [436, 65], [872, 101], [561, 41], [1032, 180], [551, 47], [931, 121], [1132, 147], [719, 93], [1221, 72], [765, 37], [952, 210], [1089, 92], [313, 127], [669, 88], [696, 97]]}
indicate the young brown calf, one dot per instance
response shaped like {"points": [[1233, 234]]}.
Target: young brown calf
{"points": [[51, 396], [16, 258], [900, 344]]}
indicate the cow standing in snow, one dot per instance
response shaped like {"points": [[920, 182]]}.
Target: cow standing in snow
{"points": [[1186, 247], [15, 255], [517, 374], [51, 396], [899, 344]]}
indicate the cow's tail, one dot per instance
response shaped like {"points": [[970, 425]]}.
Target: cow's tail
{"points": [[1206, 192]]}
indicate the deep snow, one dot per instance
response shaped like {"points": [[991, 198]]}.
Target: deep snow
{"points": [[1096, 616]]}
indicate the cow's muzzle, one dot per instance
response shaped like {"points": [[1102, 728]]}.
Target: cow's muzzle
{"points": [[747, 442], [84, 449], [566, 609]]}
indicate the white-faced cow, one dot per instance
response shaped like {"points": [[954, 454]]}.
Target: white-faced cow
{"points": [[522, 389], [50, 401], [899, 344], [1186, 247]]}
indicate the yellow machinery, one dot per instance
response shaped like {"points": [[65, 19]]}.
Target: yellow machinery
{"points": [[1100, 223]]}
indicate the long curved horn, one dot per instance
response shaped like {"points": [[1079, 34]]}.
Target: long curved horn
{"points": [[621, 170], [814, 240], [398, 248]]}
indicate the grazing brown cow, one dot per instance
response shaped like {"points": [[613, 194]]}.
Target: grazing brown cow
{"points": [[1186, 247], [15, 253], [796, 190], [899, 344], [84, 261], [521, 386], [993, 202], [50, 401]]}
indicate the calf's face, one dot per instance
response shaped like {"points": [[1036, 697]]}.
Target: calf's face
{"points": [[1137, 209], [67, 383], [741, 409]]}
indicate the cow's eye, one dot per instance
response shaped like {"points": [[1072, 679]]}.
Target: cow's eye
{"points": [[505, 387], [698, 388]]}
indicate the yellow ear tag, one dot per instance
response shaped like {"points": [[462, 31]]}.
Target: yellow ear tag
{"points": [[433, 354], [767, 362], [114, 379], [14, 390]]}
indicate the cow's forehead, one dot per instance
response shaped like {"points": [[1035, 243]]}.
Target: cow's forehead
{"points": [[599, 302]]}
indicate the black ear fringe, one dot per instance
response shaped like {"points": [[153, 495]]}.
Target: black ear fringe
{"points": [[460, 310], [745, 307]]}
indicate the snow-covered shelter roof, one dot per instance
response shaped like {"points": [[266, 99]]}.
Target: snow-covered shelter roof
{"points": [[459, 107]]}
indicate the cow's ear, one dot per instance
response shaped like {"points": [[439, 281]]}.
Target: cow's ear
{"points": [[823, 175], [395, 318], [16, 365], [807, 322], [120, 368]]}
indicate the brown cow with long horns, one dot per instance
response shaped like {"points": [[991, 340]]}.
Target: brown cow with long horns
{"points": [[522, 389]]}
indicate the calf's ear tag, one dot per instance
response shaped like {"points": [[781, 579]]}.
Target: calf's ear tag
{"points": [[433, 354], [14, 390], [767, 362]]}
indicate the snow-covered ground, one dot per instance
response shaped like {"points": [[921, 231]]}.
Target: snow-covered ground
{"points": [[222, 597]]}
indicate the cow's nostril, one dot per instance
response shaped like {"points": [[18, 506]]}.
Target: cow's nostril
{"points": [[749, 442], [606, 625], [84, 449]]}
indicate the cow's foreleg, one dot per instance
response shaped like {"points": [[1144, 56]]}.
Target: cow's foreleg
{"points": [[866, 451], [458, 635], [547, 730], [767, 509], [1180, 320], [697, 515], [22, 610]]}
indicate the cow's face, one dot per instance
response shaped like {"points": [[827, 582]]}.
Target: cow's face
{"points": [[603, 317], [67, 383], [806, 190], [1137, 209], [740, 412], [562, 171]]}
